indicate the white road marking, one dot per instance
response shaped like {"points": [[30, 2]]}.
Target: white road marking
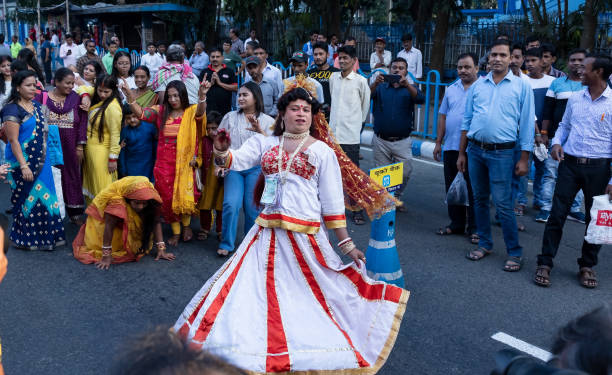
{"points": [[523, 346]]}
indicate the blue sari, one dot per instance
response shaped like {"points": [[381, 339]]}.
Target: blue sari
{"points": [[37, 224]]}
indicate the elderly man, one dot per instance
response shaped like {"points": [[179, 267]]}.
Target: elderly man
{"points": [[176, 70], [199, 59]]}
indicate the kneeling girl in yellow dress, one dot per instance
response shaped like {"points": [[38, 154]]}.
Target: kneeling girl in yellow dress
{"points": [[120, 223]]}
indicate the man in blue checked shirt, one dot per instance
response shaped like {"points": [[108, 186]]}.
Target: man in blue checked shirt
{"points": [[583, 145], [499, 113]]}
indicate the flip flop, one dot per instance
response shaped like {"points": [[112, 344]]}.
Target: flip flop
{"points": [[478, 253]]}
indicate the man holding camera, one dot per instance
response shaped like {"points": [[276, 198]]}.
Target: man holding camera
{"points": [[394, 99]]}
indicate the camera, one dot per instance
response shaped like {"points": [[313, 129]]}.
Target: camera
{"points": [[513, 362]]}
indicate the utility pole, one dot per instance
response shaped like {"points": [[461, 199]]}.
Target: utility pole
{"points": [[67, 16], [5, 18]]}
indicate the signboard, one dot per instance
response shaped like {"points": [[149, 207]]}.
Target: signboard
{"points": [[390, 176]]}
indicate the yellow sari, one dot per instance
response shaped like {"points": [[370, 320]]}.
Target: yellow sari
{"points": [[127, 237], [184, 194]]}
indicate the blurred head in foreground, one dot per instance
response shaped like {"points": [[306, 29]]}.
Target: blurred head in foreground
{"points": [[162, 352]]}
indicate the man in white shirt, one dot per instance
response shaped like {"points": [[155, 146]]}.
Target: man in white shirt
{"points": [[350, 105], [380, 58], [68, 52], [152, 60], [82, 48], [413, 57], [252, 38], [270, 73]]}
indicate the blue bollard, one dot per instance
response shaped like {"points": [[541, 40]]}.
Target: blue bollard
{"points": [[382, 258]]}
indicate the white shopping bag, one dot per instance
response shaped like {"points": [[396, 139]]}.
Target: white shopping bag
{"points": [[600, 226]]}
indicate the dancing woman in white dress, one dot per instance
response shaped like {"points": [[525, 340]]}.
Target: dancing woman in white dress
{"points": [[285, 302]]}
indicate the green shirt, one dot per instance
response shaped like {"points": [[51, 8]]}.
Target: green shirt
{"points": [[15, 48], [231, 60], [107, 60]]}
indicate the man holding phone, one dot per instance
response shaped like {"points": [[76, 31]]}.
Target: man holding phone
{"points": [[394, 99], [68, 52]]}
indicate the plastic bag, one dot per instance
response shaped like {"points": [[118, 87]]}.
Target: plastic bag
{"points": [[458, 192], [600, 226]]}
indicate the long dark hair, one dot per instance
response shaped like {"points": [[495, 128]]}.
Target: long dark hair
{"points": [[288, 98], [150, 217], [115, 71], [256, 92], [182, 91], [28, 57], [109, 82], [18, 79], [96, 65], [2, 81]]}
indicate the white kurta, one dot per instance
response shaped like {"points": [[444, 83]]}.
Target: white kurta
{"points": [[285, 302]]}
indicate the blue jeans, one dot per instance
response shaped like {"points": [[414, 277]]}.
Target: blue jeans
{"points": [[540, 170], [519, 183], [238, 190], [549, 181], [491, 174]]}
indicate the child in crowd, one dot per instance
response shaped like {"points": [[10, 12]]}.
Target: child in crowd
{"points": [[138, 145], [212, 181]]}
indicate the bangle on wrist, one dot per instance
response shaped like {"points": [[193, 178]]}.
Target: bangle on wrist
{"points": [[544, 132], [24, 166], [538, 135], [202, 100], [112, 160]]}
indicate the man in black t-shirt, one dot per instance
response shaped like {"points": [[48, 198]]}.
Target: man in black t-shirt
{"points": [[321, 73], [219, 97]]}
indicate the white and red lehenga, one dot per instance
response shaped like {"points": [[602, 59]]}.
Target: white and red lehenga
{"points": [[284, 302]]}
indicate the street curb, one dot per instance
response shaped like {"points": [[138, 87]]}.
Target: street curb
{"points": [[420, 147]]}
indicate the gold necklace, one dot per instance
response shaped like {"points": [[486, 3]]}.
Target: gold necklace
{"points": [[29, 107]]}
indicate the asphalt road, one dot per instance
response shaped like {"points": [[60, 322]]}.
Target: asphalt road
{"points": [[58, 316]]}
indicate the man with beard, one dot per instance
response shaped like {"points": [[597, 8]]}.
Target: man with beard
{"points": [[321, 73]]}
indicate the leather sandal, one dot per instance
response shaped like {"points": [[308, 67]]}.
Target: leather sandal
{"points": [[542, 276], [587, 277]]}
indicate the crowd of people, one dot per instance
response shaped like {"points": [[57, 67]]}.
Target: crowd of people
{"points": [[494, 127], [121, 150]]}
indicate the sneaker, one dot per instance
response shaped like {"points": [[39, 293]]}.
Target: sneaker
{"points": [[577, 216], [542, 217]]}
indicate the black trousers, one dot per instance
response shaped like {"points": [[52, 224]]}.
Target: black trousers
{"points": [[352, 151], [459, 215], [572, 177], [48, 74]]}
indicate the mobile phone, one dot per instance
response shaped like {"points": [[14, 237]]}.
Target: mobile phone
{"points": [[392, 78]]}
